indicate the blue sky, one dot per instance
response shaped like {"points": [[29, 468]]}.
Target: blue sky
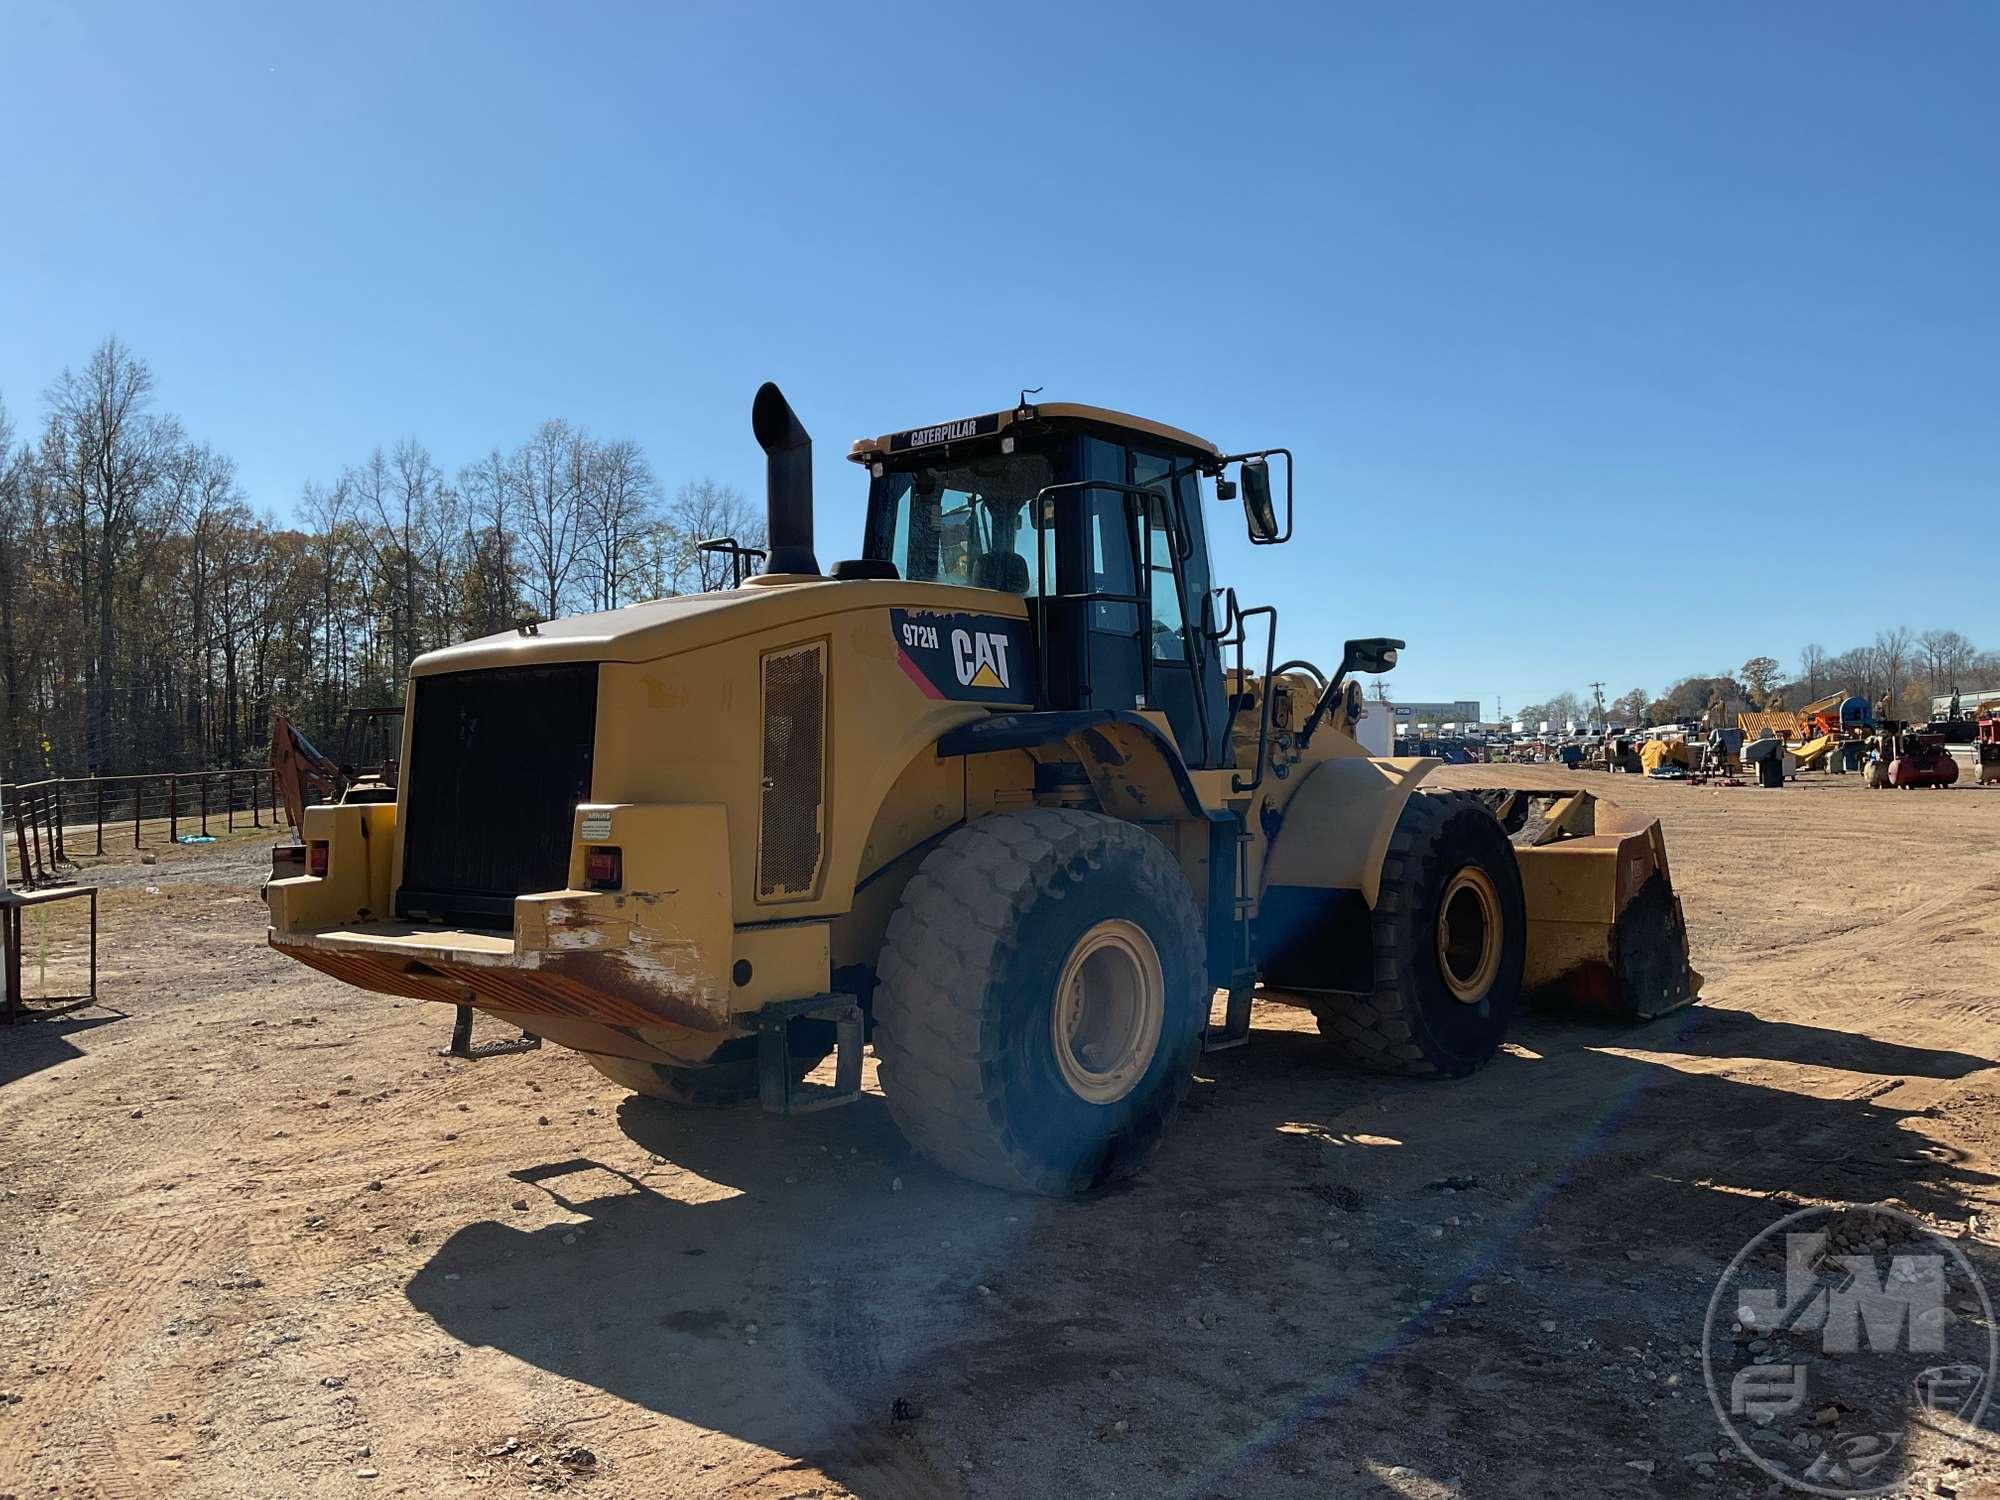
{"points": [[1614, 341]]}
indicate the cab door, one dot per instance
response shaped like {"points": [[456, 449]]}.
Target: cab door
{"points": [[1186, 664], [1123, 644]]}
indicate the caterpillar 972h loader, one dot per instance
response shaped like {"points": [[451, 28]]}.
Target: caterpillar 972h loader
{"points": [[992, 796]]}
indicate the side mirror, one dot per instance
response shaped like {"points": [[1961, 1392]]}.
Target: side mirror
{"points": [[1377, 654], [1259, 512], [1260, 505]]}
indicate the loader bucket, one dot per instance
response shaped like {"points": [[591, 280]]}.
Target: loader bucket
{"points": [[1605, 930]]}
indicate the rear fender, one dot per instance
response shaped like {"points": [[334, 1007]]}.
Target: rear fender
{"points": [[1134, 769], [1136, 773]]}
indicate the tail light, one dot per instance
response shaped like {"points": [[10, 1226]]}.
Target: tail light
{"points": [[316, 857], [604, 869]]}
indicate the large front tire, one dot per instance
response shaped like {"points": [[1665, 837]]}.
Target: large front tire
{"points": [[1450, 936], [1041, 1000]]}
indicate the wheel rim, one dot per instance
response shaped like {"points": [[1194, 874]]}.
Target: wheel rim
{"points": [[1110, 1003], [1468, 935]]}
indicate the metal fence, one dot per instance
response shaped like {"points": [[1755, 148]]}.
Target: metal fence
{"points": [[48, 825]]}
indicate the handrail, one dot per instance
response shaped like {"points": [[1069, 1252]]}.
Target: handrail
{"points": [[1234, 632], [1237, 783], [736, 552]]}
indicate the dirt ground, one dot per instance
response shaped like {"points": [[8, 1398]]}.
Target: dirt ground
{"points": [[257, 1238]]}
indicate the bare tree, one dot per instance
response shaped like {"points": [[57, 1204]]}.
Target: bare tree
{"points": [[330, 512], [239, 547], [1812, 670], [1857, 671], [1892, 660], [492, 583], [109, 452], [549, 503], [446, 548], [1946, 657], [394, 495], [703, 510], [1565, 709], [214, 613], [619, 498], [16, 545], [214, 500]]}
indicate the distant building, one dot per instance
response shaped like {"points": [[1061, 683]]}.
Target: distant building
{"points": [[1970, 702], [1459, 711], [1374, 731]]}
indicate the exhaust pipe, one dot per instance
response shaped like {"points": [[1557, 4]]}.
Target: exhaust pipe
{"points": [[788, 482]]}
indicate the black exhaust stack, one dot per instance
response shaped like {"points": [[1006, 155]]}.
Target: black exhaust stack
{"points": [[788, 483]]}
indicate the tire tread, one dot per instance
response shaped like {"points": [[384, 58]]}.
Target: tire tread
{"points": [[946, 945]]}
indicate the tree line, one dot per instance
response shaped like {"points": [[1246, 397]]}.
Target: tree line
{"points": [[1907, 667], [152, 617]]}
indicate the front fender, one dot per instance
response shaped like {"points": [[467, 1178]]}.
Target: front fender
{"points": [[1337, 825]]}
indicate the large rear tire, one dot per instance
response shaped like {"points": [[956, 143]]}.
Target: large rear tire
{"points": [[1450, 936], [1041, 1000]]}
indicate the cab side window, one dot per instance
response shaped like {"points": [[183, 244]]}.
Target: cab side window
{"points": [[1110, 551], [1169, 628]]}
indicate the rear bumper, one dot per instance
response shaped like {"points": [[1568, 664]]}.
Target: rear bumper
{"points": [[661, 954], [611, 982]]}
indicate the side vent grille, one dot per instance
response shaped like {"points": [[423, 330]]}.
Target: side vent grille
{"points": [[791, 830]]}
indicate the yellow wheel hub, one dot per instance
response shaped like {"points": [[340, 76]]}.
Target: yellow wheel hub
{"points": [[1469, 935], [1110, 1004]]}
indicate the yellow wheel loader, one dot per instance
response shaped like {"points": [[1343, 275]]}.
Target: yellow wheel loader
{"points": [[1001, 796]]}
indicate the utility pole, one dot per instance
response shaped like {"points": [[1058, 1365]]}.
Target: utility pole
{"points": [[1597, 693]]}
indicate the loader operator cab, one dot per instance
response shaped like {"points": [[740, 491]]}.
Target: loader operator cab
{"points": [[1095, 519]]}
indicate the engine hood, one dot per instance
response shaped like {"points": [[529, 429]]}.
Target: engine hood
{"points": [[688, 622]]}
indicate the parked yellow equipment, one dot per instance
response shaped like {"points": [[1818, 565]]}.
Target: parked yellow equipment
{"points": [[1657, 753], [991, 795]]}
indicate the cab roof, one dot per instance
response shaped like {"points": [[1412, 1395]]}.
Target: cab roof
{"points": [[940, 434]]}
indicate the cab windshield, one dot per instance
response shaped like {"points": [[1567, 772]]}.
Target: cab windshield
{"points": [[964, 520]]}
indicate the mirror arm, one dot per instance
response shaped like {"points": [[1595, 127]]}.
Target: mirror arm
{"points": [[1379, 651], [1326, 697]]}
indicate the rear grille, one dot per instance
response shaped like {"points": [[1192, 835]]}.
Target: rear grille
{"points": [[790, 825], [498, 762]]}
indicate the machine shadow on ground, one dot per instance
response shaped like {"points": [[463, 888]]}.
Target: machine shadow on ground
{"points": [[40, 1040], [1319, 1276]]}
